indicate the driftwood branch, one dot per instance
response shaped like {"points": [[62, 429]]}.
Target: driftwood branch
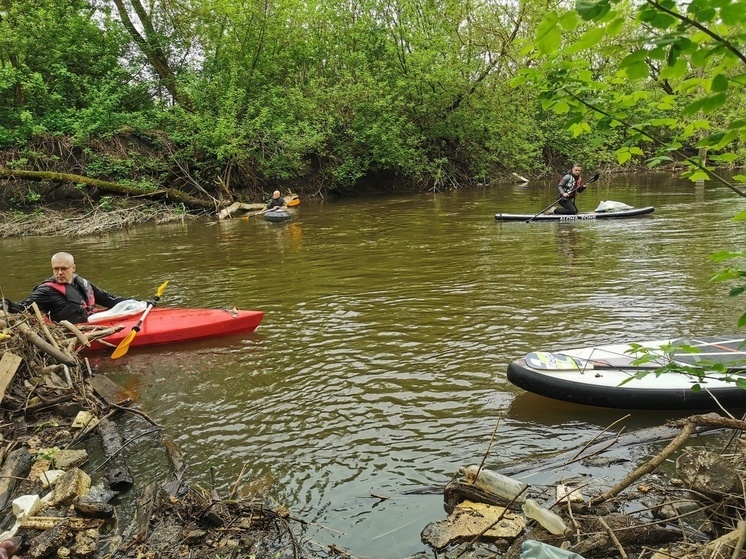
{"points": [[613, 537], [42, 323], [690, 425], [55, 353], [77, 333]]}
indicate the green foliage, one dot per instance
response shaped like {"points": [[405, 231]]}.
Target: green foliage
{"points": [[336, 93], [32, 195], [732, 274], [704, 369], [60, 64], [686, 71]]}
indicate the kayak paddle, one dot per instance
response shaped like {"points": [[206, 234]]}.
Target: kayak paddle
{"points": [[124, 345], [594, 178]]}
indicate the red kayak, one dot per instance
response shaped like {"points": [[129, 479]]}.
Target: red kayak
{"points": [[165, 325]]}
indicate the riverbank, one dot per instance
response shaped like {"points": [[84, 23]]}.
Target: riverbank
{"points": [[65, 486], [109, 215], [99, 219]]}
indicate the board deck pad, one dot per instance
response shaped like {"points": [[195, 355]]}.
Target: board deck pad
{"points": [[730, 352], [556, 362]]}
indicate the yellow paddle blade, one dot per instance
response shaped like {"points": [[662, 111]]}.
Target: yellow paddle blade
{"points": [[124, 345], [161, 289]]}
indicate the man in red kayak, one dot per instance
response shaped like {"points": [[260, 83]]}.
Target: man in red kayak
{"points": [[66, 295], [570, 185]]}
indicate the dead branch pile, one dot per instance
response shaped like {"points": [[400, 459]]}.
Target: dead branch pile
{"points": [[54, 502], [695, 514], [100, 219]]}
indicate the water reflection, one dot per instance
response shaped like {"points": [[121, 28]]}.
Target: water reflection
{"points": [[390, 321], [568, 239], [531, 409]]}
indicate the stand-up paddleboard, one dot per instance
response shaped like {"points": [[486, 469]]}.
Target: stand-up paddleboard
{"points": [[616, 376], [585, 216]]}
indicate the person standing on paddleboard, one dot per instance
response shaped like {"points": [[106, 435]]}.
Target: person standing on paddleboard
{"points": [[570, 185]]}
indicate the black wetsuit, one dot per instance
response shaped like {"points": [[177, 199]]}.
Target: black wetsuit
{"points": [[570, 184]]}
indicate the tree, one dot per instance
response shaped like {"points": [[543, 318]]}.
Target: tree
{"points": [[674, 91], [153, 44], [695, 59], [56, 59]]}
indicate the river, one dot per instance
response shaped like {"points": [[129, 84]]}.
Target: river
{"points": [[380, 366]]}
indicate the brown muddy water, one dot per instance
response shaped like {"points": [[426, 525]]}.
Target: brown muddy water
{"points": [[380, 366]]}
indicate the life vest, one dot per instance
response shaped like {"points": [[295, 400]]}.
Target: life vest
{"points": [[571, 187], [86, 299]]}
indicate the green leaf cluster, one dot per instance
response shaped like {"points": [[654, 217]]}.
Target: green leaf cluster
{"points": [[672, 81]]}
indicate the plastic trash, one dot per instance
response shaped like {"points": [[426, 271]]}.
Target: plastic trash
{"points": [[25, 506], [612, 206], [532, 549], [548, 519], [496, 483], [125, 308], [566, 493]]}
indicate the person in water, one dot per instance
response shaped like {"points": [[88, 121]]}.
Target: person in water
{"points": [[570, 185], [276, 201], [66, 295]]}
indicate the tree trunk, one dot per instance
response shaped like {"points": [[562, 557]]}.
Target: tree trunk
{"points": [[150, 47], [168, 193]]}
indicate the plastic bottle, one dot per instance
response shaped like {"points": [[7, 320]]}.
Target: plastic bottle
{"points": [[545, 517], [496, 483], [531, 549]]}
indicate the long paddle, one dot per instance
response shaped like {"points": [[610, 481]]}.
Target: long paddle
{"points": [[124, 345], [594, 178]]}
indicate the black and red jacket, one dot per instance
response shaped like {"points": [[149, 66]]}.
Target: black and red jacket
{"points": [[570, 184], [73, 302]]}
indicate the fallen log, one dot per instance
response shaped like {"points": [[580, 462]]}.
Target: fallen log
{"points": [[117, 471], [167, 193], [238, 206], [290, 200], [15, 468]]}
